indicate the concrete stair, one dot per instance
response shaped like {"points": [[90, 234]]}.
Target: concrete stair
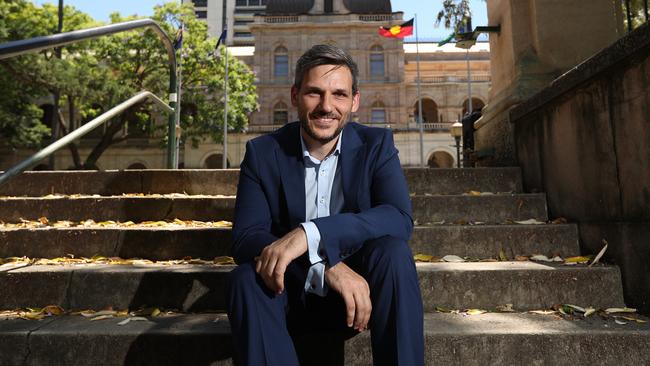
{"points": [[449, 221]]}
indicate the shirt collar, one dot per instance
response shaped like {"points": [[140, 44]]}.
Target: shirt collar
{"points": [[305, 152]]}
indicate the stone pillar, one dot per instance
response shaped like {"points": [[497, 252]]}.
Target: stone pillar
{"points": [[539, 41]]}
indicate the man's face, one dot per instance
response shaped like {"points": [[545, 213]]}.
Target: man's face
{"points": [[325, 101]]}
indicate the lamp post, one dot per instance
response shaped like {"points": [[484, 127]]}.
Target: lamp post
{"points": [[457, 133]]}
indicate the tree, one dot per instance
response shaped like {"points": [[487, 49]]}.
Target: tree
{"points": [[101, 73], [453, 13]]}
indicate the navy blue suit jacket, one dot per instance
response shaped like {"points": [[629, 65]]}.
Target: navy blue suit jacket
{"points": [[271, 193]]}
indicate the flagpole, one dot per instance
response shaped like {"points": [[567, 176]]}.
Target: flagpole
{"points": [[224, 162], [417, 63]]}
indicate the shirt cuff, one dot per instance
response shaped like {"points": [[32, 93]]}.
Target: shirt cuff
{"points": [[315, 282], [313, 242]]}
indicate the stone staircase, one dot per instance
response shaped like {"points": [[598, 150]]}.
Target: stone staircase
{"points": [[449, 222]]}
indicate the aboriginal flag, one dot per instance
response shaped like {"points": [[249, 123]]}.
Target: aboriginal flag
{"points": [[397, 31]]}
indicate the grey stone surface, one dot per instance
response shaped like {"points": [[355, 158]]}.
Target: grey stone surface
{"points": [[487, 209], [486, 241], [224, 182], [459, 181], [492, 209], [154, 243], [116, 182], [480, 241], [584, 141], [527, 285], [451, 339], [119, 208]]}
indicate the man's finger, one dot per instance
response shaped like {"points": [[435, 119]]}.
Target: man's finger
{"points": [[350, 307], [258, 265], [278, 273]]}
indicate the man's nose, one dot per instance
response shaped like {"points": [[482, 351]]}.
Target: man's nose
{"points": [[326, 103]]}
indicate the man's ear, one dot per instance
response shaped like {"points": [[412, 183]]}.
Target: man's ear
{"points": [[294, 96], [355, 101]]}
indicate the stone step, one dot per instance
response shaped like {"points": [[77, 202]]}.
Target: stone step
{"points": [[160, 243], [489, 208], [224, 182], [527, 285], [201, 339]]}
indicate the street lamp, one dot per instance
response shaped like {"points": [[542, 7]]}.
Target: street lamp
{"points": [[457, 133]]}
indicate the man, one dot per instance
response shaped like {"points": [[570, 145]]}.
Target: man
{"points": [[322, 221]]}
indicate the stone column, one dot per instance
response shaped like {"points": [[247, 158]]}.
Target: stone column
{"points": [[539, 41]]}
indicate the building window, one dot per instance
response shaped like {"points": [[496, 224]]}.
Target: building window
{"points": [[280, 114], [242, 34], [200, 3], [241, 3], [201, 14], [329, 7], [376, 62], [281, 62], [377, 113]]}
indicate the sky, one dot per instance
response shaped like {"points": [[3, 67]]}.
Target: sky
{"points": [[426, 11]]}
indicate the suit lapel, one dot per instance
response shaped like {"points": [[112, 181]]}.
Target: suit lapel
{"points": [[292, 174], [353, 156]]}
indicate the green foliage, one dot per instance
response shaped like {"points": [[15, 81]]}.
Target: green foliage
{"points": [[637, 13], [93, 76], [453, 13]]}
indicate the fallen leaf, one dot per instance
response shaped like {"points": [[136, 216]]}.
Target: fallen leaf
{"points": [[575, 307], [132, 319], [43, 220], [502, 256], [422, 258], [53, 309], [557, 258], [634, 319], [540, 258], [442, 309], [542, 312], [589, 311], [600, 254], [475, 311], [529, 222], [559, 220], [620, 310], [620, 322], [452, 259], [577, 260], [521, 258], [223, 260], [102, 317], [473, 193], [155, 312]]}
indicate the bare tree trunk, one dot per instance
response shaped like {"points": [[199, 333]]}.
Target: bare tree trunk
{"points": [[71, 146], [107, 140]]}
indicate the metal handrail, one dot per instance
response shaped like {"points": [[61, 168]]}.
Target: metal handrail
{"points": [[80, 132], [33, 45]]}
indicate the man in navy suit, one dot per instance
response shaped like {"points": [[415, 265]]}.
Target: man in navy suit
{"points": [[322, 221]]}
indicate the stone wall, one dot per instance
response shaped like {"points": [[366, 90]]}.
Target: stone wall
{"points": [[585, 141]]}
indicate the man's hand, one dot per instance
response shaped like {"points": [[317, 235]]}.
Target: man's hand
{"points": [[274, 259], [355, 292]]}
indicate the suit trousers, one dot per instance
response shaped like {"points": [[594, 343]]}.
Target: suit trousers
{"points": [[270, 329]]}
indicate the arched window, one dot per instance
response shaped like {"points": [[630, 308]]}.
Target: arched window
{"points": [[429, 111], [377, 113], [280, 114], [376, 62], [281, 62]]}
